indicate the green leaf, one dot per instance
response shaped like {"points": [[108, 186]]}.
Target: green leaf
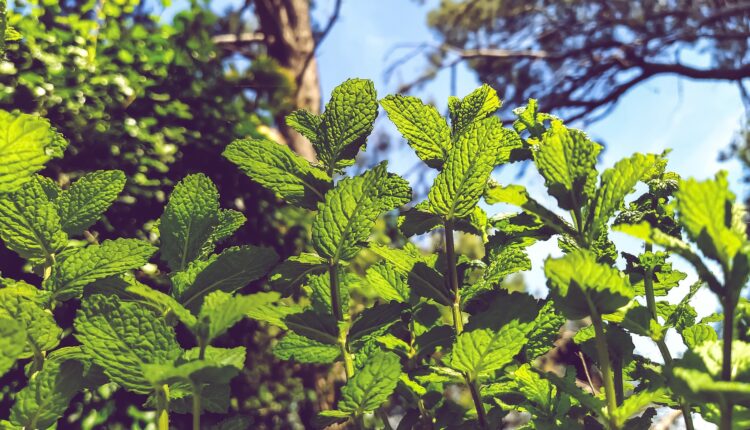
{"points": [[376, 318], [86, 265], [705, 211], [12, 343], [422, 126], [459, 186], [319, 327], [231, 270], [388, 283], [372, 385], [223, 311], [269, 309], [347, 121], [277, 168], [637, 402], [530, 119], [132, 290], [616, 183], [319, 290], [27, 144], [481, 351], [88, 198], [578, 283], [476, 106], [188, 220], [288, 276], [29, 223], [698, 334], [121, 337], [566, 159], [568, 385], [305, 350], [41, 403], [306, 124], [348, 215], [42, 332], [534, 388], [503, 262], [424, 280], [229, 222], [545, 331]]}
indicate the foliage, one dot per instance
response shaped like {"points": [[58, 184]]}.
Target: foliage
{"points": [[436, 323]]}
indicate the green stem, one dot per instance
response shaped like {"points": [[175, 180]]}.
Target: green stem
{"points": [[196, 408], [202, 348], [450, 254], [341, 318], [162, 407], [617, 375], [726, 364], [604, 364], [648, 283], [477, 398]]}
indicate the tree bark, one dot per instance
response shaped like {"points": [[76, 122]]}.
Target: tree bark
{"points": [[289, 40]]}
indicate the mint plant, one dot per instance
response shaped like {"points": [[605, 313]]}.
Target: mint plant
{"points": [[422, 339]]}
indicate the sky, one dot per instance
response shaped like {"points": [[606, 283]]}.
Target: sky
{"points": [[695, 119]]}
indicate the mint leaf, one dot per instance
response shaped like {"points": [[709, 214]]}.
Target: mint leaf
{"points": [[388, 283], [577, 283], [481, 351], [305, 350], [422, 126], [86, 265], [459, 186], [566, 158], [41, 330], [188, 220], [306, 124], [27, 144], [222, 311], [316, 326], [29, 223], [616, 183], [347, 121], [229, 222], [280, 170], [424, 280], [698, 334], [288, 276], [88, 198], [530, 119], [40, 404], [372, 385], [121, 337], [269, 309], [375, 319], [12, 342], [350, 210], [231, 270], [476, 106]]}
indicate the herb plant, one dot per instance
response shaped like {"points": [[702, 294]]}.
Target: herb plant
{"points": [[419, 339]]}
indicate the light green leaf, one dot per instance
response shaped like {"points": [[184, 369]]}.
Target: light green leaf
{"points": [[88, 198], [161, 303], [41, 403], [121, 337], [424, 280], [12, 343], [459, 186], [577, 283], [348, 215], [288, 276], [86, 265], [372, 385], [231, 270], [637, 402], [29, 223], [318, 289], [616, 183], [545, 331], [27, 144], [503, 262], [698, 334], [232, 357], [530, 119], [705, 211], [277, 168], [188, 220], [222, 311], [271, 310], [566, 159], [305, 350], [229, 222], [306, 124], [347, 121], [388, 283], [535, 389], [476, 106], [422, 126], [481, 351], [42, 332]]}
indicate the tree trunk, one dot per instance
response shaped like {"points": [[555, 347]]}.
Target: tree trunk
{"points": [[289, 40]]}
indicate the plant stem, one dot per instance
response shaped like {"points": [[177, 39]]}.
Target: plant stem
{"points": [[340, 317], [450, 254], [162, 407], [648, 283], [196, 408], [384, 418], [604, 364], [481, 414], [201, 348], [726, 363]]}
